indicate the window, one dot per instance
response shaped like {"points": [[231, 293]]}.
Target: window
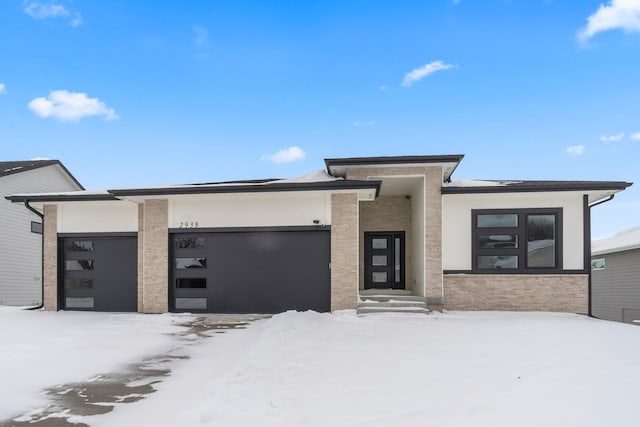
{"points": [[597, 264], [187, 263], [78, 264], [517, 240], [191, 242], [191, 282], [36, 227], [78, 246]]}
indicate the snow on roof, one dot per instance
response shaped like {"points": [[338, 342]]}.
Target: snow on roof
{"points": [[623, 241], [477, 183], [316, 176]]}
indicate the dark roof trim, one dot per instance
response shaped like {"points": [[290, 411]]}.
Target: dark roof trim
{"points": [[23, 166], [60, 198], [541, 186], [275, 187], [386, 160]]}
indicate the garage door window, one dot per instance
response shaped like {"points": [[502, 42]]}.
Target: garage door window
{"points": [[191, 242], [78, 264], [78, 246], [191, 283], [78, 284], [188, 263]]}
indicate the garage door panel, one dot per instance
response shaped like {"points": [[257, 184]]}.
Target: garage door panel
{"points": [[260, 272], [99, 273]]}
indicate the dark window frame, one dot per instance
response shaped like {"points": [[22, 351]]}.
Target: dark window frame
{"points": [[36, 227], [521, 231]]}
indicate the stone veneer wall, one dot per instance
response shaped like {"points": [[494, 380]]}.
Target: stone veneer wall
{"points": [[50, 258], [387, 214], [344, 251], [517, 292], [155, 257], [433, 218]]}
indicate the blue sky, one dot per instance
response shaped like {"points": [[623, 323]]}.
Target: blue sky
{"points": [[147, 93]]}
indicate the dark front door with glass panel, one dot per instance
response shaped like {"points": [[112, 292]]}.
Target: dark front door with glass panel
{"points": [[384, 260]]}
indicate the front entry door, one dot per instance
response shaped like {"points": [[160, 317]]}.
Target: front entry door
{"points": [[384, 260]]}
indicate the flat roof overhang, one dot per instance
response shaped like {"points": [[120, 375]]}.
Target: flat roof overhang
{"points": [[368, 191], [338, 166], [597, 190]]}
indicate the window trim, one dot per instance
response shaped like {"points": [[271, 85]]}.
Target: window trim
{"points": [[521, 250]]}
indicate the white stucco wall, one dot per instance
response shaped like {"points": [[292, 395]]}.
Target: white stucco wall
{"points": [[98, 217], [251, 210], [456, 223]]}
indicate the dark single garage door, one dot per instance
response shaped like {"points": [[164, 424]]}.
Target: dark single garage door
{"points": [[99, 273], [250, 271]]}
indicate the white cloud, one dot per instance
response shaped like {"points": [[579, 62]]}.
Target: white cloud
{"points": [[635, 136], [52, 10], [612, 138], [364, 124], [618, 14], [3, 88], [422, 72], [575, 150], [70, 106], [40, 158], [286, 155]]}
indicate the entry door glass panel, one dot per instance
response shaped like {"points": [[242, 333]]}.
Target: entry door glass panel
{"points": [[384, 260]]}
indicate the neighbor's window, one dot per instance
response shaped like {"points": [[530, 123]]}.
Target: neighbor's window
{"points": [[516, 240], [597, 264]]}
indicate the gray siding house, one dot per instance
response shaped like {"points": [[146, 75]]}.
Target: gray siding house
{"points": [[21, 231], [615, 266]]}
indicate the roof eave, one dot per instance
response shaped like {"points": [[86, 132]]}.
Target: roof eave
{"points": [[276, 187], [598, 186]]}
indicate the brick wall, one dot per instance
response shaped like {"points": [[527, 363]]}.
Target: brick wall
{"points": [[344, 251], [50, 257], [155, 257], [517, 292]]}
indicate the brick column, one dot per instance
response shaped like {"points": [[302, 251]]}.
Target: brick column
{"points": [[155, 257], [344, 251], [140, 257], [433, 235], [50, 258]]}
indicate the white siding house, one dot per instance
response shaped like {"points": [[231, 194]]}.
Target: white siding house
{"points": [[20, 247]]}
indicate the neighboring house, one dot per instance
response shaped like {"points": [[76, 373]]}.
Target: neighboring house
{"points": [[389, 225], [615, 267], [21, 231]]}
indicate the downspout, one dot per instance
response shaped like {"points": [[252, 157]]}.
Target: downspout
{"points": [[587, 235], [41, 215]]}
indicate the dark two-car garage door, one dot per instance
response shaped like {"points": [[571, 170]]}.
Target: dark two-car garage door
{"points": [[99, 273], [250, 271]]}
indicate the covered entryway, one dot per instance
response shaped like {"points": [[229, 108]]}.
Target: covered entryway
{"points": [[250, 271], [98, 273]]}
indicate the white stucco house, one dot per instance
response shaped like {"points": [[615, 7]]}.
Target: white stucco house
{"points": [[362, 230], [21, 231]]}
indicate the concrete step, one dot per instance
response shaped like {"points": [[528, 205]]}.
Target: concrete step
{"points": [[374, 310], [376, 303], [386, 298], [392, 303], [385, 292]]}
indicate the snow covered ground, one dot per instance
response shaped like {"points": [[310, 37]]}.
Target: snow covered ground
{"points": [[310, 369]]}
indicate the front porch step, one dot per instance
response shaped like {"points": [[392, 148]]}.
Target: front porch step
{"points": [[369, 304], [368, 292]]}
